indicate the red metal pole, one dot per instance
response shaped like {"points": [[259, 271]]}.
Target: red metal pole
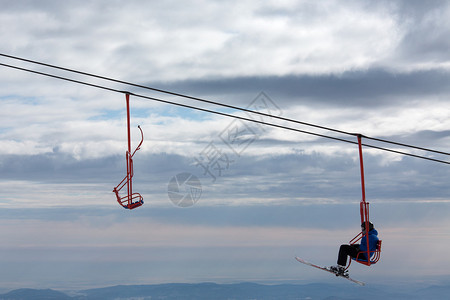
{"points": [[364, 207], [363, 187], [129, 162], [128, 122]]}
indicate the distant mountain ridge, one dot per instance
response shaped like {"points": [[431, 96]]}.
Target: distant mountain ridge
{"points": [[238, 291], [25, 294]]}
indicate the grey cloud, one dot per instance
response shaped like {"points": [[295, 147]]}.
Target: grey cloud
{"points": [[426, 42], [313, 215], [277, 176], [304, 216], [308, 12], [329, 177], [413, 9], [63, 168], [432, 139], [425, 38], [56, 168], [372, 88]]}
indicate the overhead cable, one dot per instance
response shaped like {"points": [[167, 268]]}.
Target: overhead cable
{"points": [[218, 113], [220, 104]]}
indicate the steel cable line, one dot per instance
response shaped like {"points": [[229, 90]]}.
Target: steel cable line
{"points": [[221, 104], [171, 102], [218, 113]]}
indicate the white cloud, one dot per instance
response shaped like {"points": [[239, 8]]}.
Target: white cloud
{"points": [[240, 39], [226, 39], [63, 144]]}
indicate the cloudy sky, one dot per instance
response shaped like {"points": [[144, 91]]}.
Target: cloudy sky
{"points": [[381, 69]]}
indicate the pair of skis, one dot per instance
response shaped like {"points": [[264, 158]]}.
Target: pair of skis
{"points": [[330, 271]]}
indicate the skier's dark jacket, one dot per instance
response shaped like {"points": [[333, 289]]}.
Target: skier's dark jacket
{"points": [[373, 240]]}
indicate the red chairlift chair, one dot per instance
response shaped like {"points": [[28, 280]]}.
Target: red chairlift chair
{"points": [[364, 257], [130, 200]]}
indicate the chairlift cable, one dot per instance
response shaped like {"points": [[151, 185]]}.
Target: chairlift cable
{"points": [[221, 104], [223, 114]]}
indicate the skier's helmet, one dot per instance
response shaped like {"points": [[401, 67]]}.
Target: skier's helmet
{"points": [[363, 226]]}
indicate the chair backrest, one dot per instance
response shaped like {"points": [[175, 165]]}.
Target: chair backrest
{"points": [[377, 253], [374, 256]]}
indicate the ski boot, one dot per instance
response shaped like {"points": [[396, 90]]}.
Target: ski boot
{"points": [[339, 270]]}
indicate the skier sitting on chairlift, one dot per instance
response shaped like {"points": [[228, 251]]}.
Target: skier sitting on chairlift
{"points": [[356, 251]]}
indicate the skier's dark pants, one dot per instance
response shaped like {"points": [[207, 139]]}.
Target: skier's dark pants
{"points": [[348, 250]]}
